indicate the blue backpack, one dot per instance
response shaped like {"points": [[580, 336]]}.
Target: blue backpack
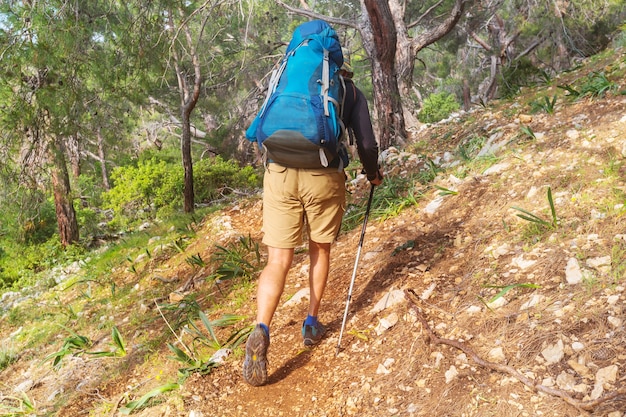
{"points": [[299, 124]]}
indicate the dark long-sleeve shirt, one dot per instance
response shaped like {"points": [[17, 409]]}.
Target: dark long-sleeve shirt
{"points": [[356, 116]]}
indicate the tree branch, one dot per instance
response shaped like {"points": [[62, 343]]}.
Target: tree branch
{"points": [[423, 16], [313, 15], [479, 40], [431, 36]]}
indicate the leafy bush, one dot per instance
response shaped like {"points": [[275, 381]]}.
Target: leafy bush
{"points": [[154, 188], [21, 262], [139, 190], [215, 177], [437, 107]]}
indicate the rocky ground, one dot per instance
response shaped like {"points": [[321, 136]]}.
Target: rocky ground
{"points": [[460, 307]]}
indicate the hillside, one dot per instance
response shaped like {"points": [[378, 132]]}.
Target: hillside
{"points": [[459, 304]]}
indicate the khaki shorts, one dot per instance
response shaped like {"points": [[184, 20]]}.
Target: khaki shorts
{"points": [[293, 195]]}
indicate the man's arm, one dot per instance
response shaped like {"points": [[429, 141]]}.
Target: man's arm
{"points": [[357, 116]]}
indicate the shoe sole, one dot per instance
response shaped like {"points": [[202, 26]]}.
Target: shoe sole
{"points": [[255, 364]]}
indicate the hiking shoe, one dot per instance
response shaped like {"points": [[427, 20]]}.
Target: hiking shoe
{"points": [[255, 364], [312, 335]]}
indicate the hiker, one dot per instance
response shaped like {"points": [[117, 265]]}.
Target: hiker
{"points": [[295, 199]]}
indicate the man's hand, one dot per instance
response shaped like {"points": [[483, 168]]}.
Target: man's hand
{"points": [[379, 178]]}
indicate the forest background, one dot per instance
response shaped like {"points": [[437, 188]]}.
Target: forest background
{"points": [[114, 114]]}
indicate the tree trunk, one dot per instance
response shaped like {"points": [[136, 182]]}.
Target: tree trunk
{"points": [[185, 144], [189, 90], [102, 161], [380, 37], [405, 64], [66, 216], [408, 48], [385, 38], [73, 148], [467, 98]]}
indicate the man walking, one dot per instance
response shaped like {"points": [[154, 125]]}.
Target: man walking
{"points": [[311, 200]]}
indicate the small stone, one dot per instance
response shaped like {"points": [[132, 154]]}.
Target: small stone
{"points": [[614, 321], [612, 299], [298, 297], [604, 375], [176, 297], [500, 250], [580, 369], [221, 355], [386, 323], [382, 370], [451, 374], [428, 291], [566, 381], [534, 300], [598, 262], [24, 386], [473, 310], [573, 274], [390, 299], [553, 353], [497, 303], [525, 118], [522, 263], [431, 208], [496, 355]]}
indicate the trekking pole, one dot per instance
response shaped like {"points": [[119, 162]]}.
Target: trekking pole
{"points": [[356, 263]]}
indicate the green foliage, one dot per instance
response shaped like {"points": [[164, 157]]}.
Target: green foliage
{"points": [[505, 289], [527, 131], [445, 191], [20, 263], [191, 357], [212, 341], [241, 258], [139, 190], [216, 177], [408, 245], [153, 187], [469, 147], [73, 344], [546, 105], [8, 356], [595, 85], [520, 73], [390, 198], [537, 220], [76, 344], [143, 401], [437, 107], [12, 406]]}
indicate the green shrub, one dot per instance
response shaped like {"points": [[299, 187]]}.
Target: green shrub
{"points": [[216, 177], [154, 188], [437, 107], [139, 190]]}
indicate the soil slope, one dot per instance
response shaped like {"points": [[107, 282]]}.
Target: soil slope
{"points": [[460, 307]]}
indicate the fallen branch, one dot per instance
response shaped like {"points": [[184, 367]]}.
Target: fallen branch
{"points": [[506, 369]]}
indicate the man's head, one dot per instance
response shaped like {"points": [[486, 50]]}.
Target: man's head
{"points": [[346, 69]]}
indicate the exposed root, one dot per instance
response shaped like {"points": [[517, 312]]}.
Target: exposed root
{"points": [[506, 369]]}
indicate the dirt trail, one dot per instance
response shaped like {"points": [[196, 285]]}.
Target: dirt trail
{"points": [[549, 303]]}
